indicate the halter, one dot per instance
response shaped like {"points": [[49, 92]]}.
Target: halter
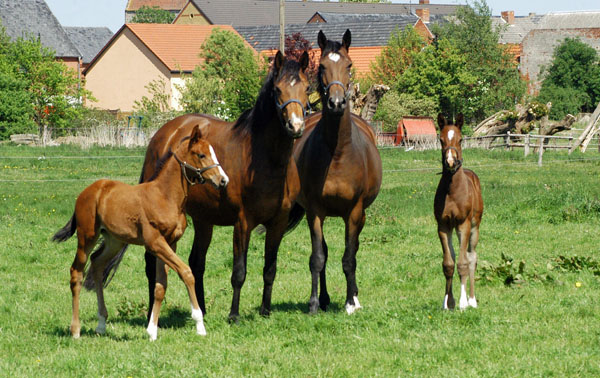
{"points": [[305, 110], [346, 91], [458, 161], [197, 171]]}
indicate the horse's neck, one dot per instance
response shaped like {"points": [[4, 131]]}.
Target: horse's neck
{"points": [[453, 183], [337, 130], [274, 142], [171, 183]]}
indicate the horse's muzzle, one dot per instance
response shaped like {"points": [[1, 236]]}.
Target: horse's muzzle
{"points": [[295, 129]]}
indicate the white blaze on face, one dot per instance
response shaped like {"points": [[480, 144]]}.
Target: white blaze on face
{"points": [[334, 56], [296, 121], [215, 161], [450, 158], [293, 82]]}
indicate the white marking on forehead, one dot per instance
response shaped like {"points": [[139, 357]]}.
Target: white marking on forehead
{"points": [[213, 155], [293, 82], [450, 134], [334, 56]]}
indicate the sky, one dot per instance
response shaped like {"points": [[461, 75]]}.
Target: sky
{"points": [[111, 13]]}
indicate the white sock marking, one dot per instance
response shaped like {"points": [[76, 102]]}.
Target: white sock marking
{"points": [[334, 56], [293, 82], [213, 155], [152, 328], [445, 305], [197, 316], [473, 302], [463, 303], [101, 329], [350, 309]]}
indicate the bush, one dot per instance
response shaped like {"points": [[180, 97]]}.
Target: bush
{"points": [[394, 106], [564, 100]]}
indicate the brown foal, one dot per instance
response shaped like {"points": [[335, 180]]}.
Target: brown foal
{"points": [[149, 214], [458, 205]]}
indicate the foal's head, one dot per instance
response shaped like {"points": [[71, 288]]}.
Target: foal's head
{"points": [[450, 138], [199, 161], [290, 84], [334, 72]]}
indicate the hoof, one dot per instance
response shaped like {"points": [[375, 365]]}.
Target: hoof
{"points": [[76, 335], [233, 319], [265, 312], [351, 308], [473, 302], [200, 329], [313, 306], [152, 331], [324, 301], [449, 303]]}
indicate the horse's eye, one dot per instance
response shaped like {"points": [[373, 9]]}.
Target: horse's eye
{"points": [[201, 156], [350, 66]]}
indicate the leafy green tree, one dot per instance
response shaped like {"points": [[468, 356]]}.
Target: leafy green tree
{"points": [[572, 81], [399, 54], [35, 88], [152, 15], [228, 80], [394, 106]]}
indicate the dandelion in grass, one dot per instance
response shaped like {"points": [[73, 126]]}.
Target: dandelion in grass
{"points": [[578, 284]]}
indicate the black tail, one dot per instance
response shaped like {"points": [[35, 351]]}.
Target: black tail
{"points": [[67, 231], [296, 215]]}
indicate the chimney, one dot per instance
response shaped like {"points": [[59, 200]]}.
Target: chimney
{"points": [[423, 13], [423, 1], [509, 17]]}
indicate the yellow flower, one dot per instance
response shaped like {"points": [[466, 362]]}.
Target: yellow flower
{"points": [[577, 284]]}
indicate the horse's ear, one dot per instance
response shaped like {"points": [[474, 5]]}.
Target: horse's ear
{"points": [[196, 135], [460, 119], [278, 60], [441, 121], [322, 40], [346, 39], [304, 61]]}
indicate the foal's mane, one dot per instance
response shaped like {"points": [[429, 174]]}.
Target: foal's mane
{"points": [[160, 163], [264, 108]]}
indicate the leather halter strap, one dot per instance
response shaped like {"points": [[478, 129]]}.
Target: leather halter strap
{"points": [[197, 171], [305, 110]]}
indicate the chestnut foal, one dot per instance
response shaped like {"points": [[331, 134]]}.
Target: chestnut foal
{"points": [[458, 205], [149, 214]]}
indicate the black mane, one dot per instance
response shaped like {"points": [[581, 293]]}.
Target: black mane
{"points": [[160, 163], [264, 108]]}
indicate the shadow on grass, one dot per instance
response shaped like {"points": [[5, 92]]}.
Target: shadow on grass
{"points": [[173, 318], [290, 307]]}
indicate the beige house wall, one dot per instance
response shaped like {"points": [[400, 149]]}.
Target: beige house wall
{"points": [[190, 15], [120, 76]]}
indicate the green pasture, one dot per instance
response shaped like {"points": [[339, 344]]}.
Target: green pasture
{"points": [[538, 286]]}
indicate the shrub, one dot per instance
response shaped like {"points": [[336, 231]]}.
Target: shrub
{"points": [[394, 106]]}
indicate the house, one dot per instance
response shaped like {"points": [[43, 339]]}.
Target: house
{"points": [[89, 41], [368, 38], [513, 30], [173, 6], [266, 12], [139, 54], [552, 29], [34, 19]]}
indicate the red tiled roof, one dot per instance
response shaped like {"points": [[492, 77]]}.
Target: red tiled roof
{"points": [[417, 126], [133, 5]]}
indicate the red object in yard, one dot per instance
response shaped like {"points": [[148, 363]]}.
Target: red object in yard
{"points": [[415, 128]]}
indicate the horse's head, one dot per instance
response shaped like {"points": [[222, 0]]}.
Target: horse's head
{"points": [[290, 84], [199, 162], [450, 138], [334, 72]]}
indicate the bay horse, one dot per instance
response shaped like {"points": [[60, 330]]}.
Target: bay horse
{"points": [[149, 214], [339, 168], [458, 205], [256, 153]]}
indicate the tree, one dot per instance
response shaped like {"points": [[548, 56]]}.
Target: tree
{"points": [[228, 81], [152, 15], [394, 106], [295, 46], [572, 81], [35, 88]]}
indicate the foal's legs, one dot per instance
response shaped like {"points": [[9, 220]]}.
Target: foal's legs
{"points": [[85, 243], [160, 289], [354, 225], [241, 238], [275, 231], [464, 235], [445, 235], [317, 257], [472, 257]]}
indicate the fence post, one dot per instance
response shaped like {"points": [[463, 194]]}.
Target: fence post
{"points": [[526, 146], [570, 144], [541, 151], [507, 140]]}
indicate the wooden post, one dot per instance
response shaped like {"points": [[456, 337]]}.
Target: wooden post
{"points": [[282, 26], [526, 147], [570, 144], [507, 140], [541, 151]]}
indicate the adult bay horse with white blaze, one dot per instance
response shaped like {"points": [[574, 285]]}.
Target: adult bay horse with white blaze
{"points": [[149, 214], [458, 205], [256, 153], [339, 168]]}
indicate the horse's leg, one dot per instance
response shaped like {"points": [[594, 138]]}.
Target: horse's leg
{"points": [[324, 299], [464, 234], [448, 265], [160, 289], [241, 238], [99, 261], [275, 231], [197, 260], [472, 257], [86, 240], [317, 258], [354, 225], [151, 276], [164, 252]]}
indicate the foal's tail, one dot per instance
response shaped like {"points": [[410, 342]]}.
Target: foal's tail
{"points": [[113, 264], [296, 215], [67, 231]]}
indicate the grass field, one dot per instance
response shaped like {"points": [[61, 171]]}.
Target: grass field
{"points": [[538, 287]]}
